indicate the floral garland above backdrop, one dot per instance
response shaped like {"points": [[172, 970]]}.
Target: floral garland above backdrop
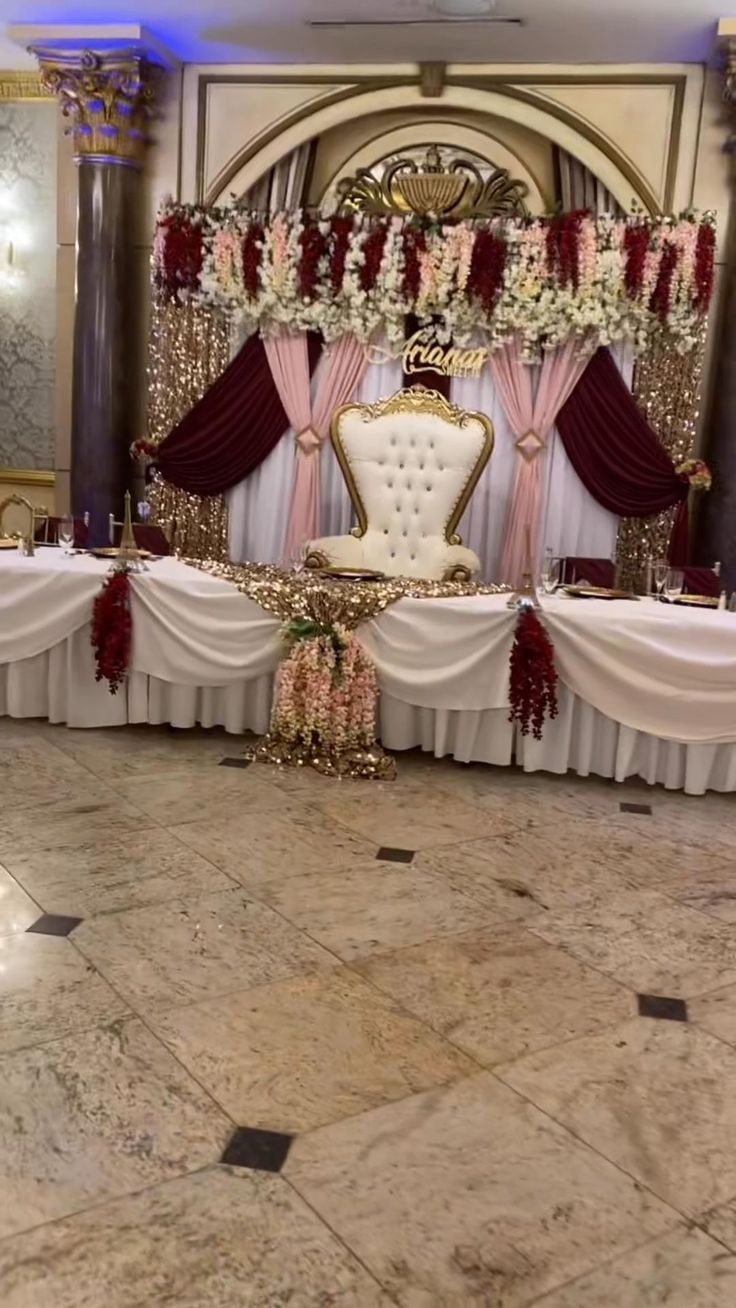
{"points": [[541, 278]]}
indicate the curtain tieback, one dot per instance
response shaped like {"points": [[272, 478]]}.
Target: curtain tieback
{"points": [[529, 445], [308, 440]]}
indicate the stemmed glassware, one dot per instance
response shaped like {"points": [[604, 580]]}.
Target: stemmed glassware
{"points": [[550, 574], [660, 569], [674, 583], [65, 534]]}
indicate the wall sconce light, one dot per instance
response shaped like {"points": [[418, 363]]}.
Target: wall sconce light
{"points": [[11, 273]]}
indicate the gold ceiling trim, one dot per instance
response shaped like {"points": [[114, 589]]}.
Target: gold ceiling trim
{"points": [[453, 193], [15, 88]]}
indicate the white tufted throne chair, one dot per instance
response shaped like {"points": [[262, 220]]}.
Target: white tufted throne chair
{"points": [[411, 463]]}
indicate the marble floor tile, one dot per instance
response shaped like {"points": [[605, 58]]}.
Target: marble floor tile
{"points": [[48, 991], [110, 1112], [500, 993], [259, 848], [34, 772], [374, 907], [410, 817], [69, 822], [108, 873], [648, 942], [716, 1012], [721, 1224], [469, 1196], [195, 949], [310, 1050], [684, 1269], [17, 909], [218, 1239], [123, 753], [522, 875], [201, 795], [657, 1098]]}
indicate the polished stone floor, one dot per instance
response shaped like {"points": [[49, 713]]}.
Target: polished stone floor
{"points": [[467, 1040]]}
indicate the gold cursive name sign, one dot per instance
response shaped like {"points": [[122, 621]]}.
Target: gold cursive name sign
{"points": [[424, 353]]}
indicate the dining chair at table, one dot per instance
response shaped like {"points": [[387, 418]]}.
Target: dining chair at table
{"points": [[46, 530], [147, 537], [597, 572], [702, 581]]}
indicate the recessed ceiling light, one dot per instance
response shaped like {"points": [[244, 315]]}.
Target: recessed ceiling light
{"points": [[464, 8]]}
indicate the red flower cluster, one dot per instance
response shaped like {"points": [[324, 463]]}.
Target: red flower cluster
{"points": [[487, 264], [563, 247], [660, 301], [533, 687], [415, 244], [111, 629], [251, 253], [704, 265], [313, 245], [636, 244], [183, 254], [341, 231], [372, 256], [143, 449]]}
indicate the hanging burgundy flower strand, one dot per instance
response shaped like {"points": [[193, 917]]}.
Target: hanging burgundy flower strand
{"points": [[111, 629], [533, 686]]}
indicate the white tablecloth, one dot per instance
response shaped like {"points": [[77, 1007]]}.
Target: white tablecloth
{"points": [[645, 688]]}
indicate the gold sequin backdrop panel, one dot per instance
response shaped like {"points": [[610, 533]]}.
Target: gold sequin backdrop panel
{"points": [[188, 350], [666, 387]]}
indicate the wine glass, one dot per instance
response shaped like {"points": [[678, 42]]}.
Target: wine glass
{"points": [[674, 583], [551, 576], [659, 574], [65, 533]]}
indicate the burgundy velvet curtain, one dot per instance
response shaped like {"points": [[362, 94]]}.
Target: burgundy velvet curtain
{"points": [[617, 455], [232, 428]]}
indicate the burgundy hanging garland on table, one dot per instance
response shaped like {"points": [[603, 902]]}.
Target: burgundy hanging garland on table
{"points": [[111, 629], [533, 685]]}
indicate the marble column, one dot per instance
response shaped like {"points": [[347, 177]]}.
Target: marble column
{"points": [[108, 99], [716, 535]]}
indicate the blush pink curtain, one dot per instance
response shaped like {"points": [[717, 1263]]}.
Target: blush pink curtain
{"points": [[342, 369], [532, 420]]}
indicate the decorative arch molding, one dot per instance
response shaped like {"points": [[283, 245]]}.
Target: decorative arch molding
{"points": [[457, 135], [558, 125]]}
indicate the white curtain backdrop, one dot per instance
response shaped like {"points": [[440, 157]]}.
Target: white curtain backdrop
{"points": [[573, 522]]}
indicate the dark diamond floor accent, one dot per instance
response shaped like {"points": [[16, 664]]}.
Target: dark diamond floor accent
{"points": [[660, 1006], [261, 1151], [54, 924], [389, 855], [646, 809], [235, 762]]}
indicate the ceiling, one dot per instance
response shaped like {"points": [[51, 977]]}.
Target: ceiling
{"points": [[275, 31]]}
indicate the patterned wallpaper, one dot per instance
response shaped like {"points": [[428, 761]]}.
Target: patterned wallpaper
{"points": [[28, 288]]}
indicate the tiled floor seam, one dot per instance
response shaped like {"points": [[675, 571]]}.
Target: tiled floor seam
{"points": [[607, 1262], [635, 1180]]}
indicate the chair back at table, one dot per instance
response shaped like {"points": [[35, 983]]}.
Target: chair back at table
{"points": [[147, 537], [701, 581], [46, 531], [598, 572]]}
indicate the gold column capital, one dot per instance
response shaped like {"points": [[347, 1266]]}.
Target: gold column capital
{"points": [[109, 98]]}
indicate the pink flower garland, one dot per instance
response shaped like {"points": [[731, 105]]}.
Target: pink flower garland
{"points": [[326, 694]]}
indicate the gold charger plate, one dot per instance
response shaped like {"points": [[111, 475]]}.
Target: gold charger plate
{"points": [[111, 552], [598, 592], [697, 601], [352, 574], [7, 543]]}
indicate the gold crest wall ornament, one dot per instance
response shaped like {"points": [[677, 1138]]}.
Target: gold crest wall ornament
{"points": [[453, 193]]}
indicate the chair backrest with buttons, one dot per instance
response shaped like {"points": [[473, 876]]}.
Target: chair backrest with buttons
{"points": [[411, 463]]}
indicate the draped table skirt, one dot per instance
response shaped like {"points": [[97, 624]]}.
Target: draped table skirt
{"points": [[59, 686], [644, 690]]}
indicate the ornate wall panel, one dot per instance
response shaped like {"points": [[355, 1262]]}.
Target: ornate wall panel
{"points": [[28, 145]]}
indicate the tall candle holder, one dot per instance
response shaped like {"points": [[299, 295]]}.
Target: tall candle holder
{"points": [[526, 596]]}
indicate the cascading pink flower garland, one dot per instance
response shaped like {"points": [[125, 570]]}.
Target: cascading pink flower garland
{"points": [[326, 698]]}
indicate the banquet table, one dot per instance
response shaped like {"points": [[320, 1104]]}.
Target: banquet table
{"points": [[645, 689]]}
